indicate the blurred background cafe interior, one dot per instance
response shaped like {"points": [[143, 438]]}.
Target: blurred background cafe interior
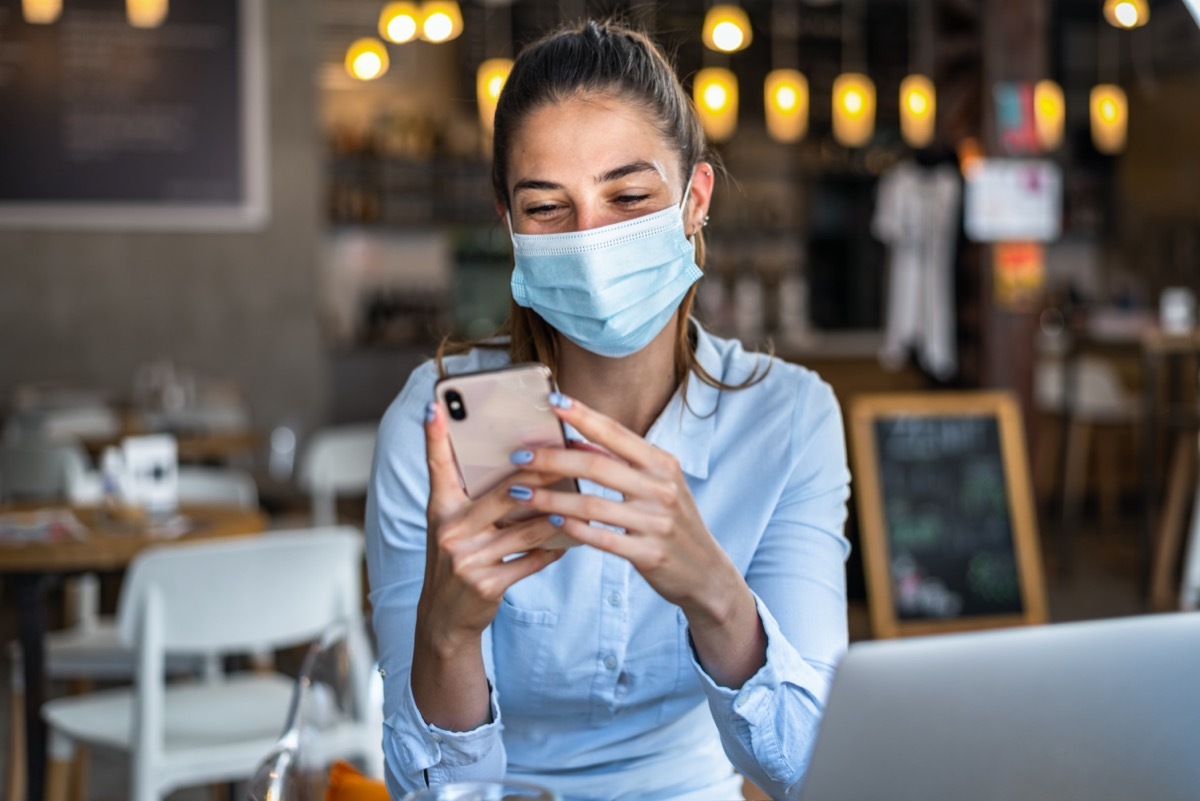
{"points": [[229, 229]]}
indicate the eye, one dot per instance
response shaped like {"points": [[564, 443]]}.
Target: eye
{"points": [[630, 200], [541, 211]]}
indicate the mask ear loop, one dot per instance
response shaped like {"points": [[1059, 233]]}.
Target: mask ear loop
{"points": [[687, 192], [511, 232]]}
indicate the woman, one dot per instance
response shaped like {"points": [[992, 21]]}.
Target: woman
{"points": [[699, 623]]}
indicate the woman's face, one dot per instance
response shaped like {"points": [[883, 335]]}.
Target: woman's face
{"points": [[592, 161]]}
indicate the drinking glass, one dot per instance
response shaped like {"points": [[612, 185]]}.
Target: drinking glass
{"points": [[484, 791]]}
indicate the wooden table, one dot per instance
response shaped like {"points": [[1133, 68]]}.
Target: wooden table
{"points": [[108, 545], [220, 446]]}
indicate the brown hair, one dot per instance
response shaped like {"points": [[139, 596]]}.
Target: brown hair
{"points": [[611, 59]]}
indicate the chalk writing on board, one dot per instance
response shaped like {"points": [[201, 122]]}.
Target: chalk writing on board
{"points": [[133, 127], [946, 512]]}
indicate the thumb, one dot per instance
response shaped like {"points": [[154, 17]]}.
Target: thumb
{"points": [[445, 489]]}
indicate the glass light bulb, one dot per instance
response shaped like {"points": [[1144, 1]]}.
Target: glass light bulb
{"points": [[785, 98], [1126, 14], [728, 36], [715, 97], [399, 22], [366, 59], [41, 12]]}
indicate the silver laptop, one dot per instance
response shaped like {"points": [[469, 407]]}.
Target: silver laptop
{"points": [[1098, 711]]}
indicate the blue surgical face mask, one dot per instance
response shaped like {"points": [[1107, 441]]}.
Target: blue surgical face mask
{"points": [[610, 290]]}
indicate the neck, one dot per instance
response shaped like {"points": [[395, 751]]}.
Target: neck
{"points": [[632, 390]]}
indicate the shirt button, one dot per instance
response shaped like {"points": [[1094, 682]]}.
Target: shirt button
{"points": [[614, 599], [610, 661]]}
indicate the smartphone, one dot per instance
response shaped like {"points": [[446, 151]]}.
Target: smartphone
{"points": [[492, 413]]}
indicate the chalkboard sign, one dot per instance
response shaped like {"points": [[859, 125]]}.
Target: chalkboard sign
{"points": [[945, 512], [108, 125]]}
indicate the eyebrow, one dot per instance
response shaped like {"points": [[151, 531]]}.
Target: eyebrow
{"points": [[632, 168]]}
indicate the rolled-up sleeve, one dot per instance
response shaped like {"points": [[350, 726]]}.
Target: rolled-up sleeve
{"points": [[416, 753], [769, 725]]}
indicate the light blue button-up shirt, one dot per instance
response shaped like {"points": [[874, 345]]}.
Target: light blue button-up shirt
{"points": [[596, 691]]}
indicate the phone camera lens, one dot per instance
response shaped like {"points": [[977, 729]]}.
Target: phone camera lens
{"points": [[454, 402]]}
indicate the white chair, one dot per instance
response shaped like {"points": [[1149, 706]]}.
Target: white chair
{"points": [[336, 713], [37, 469], [89, 649], [226, 596], [336, 462]]}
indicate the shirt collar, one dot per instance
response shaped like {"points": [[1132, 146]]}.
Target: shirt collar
{"points": [[685, 430]]}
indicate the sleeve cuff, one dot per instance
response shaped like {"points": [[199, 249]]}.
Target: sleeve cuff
{"points": [[773, 715], [417, 746], [783, 664]]}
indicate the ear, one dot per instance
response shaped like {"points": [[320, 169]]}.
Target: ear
{"points": [[696, 209], [501, 211]]}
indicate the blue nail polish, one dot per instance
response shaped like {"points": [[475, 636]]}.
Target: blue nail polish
{"points": [[520, 493], [559, 400], [430, 411], [556, 520], [521, 457]]}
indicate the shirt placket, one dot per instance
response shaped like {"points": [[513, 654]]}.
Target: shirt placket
{"points": [[613, 639]]}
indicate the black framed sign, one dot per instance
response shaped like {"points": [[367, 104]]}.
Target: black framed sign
{"points": [[110, 126], [945, 510]]}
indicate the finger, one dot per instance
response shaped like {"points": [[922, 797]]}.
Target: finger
{"points": [[607, 432], [501, 504], [635, 517], [512, 571], [528, 535], [630, 548], [444, 482], [607, 471]]}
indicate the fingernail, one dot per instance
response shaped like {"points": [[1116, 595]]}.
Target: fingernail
{"points": [[521, 457], [556, 520], [559, 400], [520, 493], [430, 411]]}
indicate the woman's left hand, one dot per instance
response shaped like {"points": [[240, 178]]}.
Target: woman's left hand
{"points": [[665, 537]]}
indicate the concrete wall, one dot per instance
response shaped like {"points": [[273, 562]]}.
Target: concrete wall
{"points": [[91, 306]]}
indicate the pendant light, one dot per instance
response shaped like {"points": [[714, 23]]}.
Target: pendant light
{"points": [[715, 93], [1110, 118], [918, 97], [853, 109], [441, 21], [146, 13], [400, 22], [786, 101], [853, 92], [489, 80], [785, 90], [41, 12], [918, 110], [492, 74], [727, 29], [366, 59], [1048, 114], [1107, 106], [1127, 13]]}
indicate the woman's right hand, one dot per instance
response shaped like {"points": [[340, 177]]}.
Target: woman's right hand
{"points": [[470, 561]]}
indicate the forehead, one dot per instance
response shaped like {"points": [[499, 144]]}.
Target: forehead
{"points": [[582, 137]]}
